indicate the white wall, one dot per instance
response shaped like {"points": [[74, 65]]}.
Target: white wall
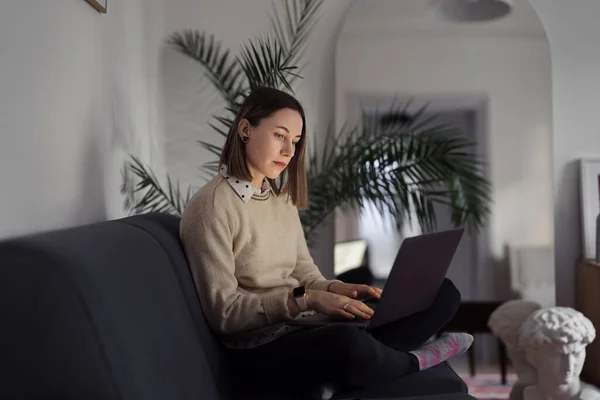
{"points": [[79, 90]]}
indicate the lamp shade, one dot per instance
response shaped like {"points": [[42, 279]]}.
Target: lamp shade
{"points": [[475, 10]]}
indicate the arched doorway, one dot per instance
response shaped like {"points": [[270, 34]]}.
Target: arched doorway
{"points": [[501, 72]]}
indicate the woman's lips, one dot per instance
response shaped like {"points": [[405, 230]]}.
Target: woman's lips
{"points": [[280, 164]]}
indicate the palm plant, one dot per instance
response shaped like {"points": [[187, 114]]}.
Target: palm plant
{"points": [[403, 167]]}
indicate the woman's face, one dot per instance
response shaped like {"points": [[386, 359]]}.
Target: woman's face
{"points": [[272, 144]]}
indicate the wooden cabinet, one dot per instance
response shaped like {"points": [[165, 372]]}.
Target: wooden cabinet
{"points": [[587, 301]]}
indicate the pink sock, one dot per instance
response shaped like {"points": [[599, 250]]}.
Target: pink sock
{"points": [[437, 351]]}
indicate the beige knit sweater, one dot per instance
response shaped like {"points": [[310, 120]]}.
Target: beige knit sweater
{"points": [[245, 258]]}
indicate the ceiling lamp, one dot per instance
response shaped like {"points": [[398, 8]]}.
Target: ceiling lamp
{"points": [[475, 10]]}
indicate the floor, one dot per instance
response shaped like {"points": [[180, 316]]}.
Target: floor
{"points": [[486, 384], [460, 365]]}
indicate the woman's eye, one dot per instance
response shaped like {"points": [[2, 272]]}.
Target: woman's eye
{"points": [[279, 136], [294, 143]]}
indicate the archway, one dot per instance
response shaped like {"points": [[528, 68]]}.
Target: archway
{"points": [[404, 49]]}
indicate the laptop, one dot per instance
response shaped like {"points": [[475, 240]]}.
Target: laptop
{"points": [[412, 285]]}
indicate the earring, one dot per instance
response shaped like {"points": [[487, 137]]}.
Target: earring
{"points": [[245, 139]]}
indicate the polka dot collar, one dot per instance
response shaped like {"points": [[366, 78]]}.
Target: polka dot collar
{"points": [[243, 188]]}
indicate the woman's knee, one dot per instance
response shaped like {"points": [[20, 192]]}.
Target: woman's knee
{"points": [[347, 339], [449, 296], [351, 349]]}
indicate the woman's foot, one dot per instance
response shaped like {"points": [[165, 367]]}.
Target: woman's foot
{"points": [[439, 350]]}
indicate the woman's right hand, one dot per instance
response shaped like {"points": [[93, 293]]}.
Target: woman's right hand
{"points": [[337, 305]]}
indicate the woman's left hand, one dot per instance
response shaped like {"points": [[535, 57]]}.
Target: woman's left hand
{"points": [[355, 291]]}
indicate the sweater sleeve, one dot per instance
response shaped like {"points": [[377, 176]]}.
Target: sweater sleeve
{"points": [[208, 243], [306, 272]]}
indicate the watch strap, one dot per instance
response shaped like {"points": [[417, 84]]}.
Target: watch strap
{"points": [[300, 297], [301, 301]]}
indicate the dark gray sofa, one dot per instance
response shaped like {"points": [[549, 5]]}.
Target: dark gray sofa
{"points": [[109, 311]]}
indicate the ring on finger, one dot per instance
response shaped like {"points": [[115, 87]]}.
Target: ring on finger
{"points": [[345, 306]]}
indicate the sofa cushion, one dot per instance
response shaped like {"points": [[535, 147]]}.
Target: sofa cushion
{"points": [[440, 379], [164, 229], [99, 312], [436, 380], [442, 396], [49, 345]]}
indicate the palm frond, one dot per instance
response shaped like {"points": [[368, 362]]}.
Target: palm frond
{"points": [[293, 28], [210, 169], [212, 148], [155, 198], [222, 70], [224, 122], [265, 64], [403, 169], [127, 188]]}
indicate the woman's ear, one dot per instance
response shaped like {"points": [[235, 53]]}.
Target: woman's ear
{"points": [[244, 129]]}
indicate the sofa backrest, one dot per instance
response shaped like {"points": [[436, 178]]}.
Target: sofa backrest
{"points": [[105, 311]]}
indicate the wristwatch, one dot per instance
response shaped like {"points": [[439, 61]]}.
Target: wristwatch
{"points": [[299, 294]]}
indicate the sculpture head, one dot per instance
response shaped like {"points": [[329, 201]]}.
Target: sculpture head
{"points": [[506, 320], [554, 340]]}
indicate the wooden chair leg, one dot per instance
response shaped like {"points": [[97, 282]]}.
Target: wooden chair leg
{"points": [[472, 357], [502, 357]]}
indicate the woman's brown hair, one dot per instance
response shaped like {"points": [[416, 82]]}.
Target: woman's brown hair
{"points": [[262, 103]]}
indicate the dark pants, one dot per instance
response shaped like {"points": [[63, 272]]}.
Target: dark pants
{"points": [[344, 355]]}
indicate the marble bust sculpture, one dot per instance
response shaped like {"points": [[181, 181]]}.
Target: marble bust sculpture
{"points": [[505, 322], [554, 340]]}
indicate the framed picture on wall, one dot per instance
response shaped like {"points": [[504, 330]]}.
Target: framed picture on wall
{"points": [[590, 203], [99, 5]]}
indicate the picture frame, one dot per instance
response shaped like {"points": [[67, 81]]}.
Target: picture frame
{"points": [[590, 203], [99, 5]]}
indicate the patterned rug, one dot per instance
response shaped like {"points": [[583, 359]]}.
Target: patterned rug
{"points": [[489, 386]]}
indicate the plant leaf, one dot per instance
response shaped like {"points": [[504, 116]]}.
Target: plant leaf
{"points": [[223, 71], [403, 170], [264, 64], [155, 198], [292, 29]]}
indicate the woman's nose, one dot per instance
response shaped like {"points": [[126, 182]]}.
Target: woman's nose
{"points": [[287, 150]]}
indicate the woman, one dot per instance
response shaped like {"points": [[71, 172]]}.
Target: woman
{"points": [[253, 272]]}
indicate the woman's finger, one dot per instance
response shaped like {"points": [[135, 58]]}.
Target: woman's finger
{"points": [[358, 312], [362, 289], [369, 291], [362, 308], [359, 305], [375, 292], [344, 313]]}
